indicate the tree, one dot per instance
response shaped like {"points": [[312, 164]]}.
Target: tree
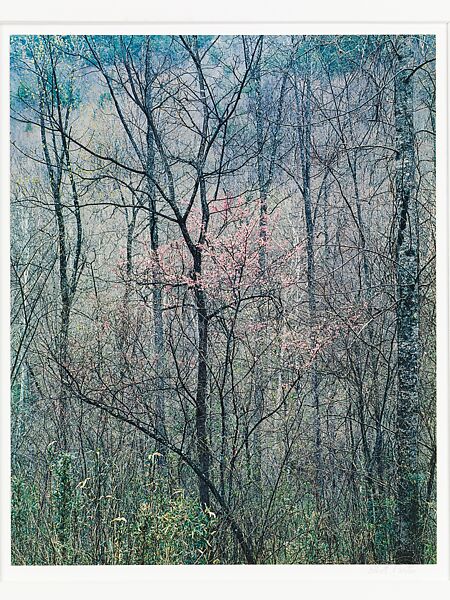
{"points": [[408, 549]]}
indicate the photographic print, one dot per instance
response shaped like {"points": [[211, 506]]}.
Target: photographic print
{"points": [[223, 315]]}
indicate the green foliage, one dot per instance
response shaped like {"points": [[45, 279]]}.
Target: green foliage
{"points": [[86, 522], [63, 502], [172, 530], [97, 520], [24, 516]]}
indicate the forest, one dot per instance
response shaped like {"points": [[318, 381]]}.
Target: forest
{"points": [[222, 299]]}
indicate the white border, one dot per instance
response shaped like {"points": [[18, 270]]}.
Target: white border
{"points": [[261, 573], [232, 11]]}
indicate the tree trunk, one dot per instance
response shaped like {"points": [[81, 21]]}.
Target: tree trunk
{"points": [[158, 324], [64, 288], [304, 138], [408, 546], [262, 187], [202, 384]]}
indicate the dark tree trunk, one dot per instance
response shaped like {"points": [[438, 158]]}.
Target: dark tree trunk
{"points": [[408, 545], [201, 394], [201, 415], [55, 175]]}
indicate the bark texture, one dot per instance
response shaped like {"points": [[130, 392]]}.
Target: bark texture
{"points": [[408, 549]]}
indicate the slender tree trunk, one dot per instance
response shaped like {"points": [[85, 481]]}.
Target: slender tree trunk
{"points": [[54, 174], [57, 161], [265, 162], [201, 415], [24, 368], [262, 186], [158, 324], [408, 544], [304, 135], [201, 394]]}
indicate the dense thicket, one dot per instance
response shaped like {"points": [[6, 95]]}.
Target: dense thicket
{"points": [[223, 303]]}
